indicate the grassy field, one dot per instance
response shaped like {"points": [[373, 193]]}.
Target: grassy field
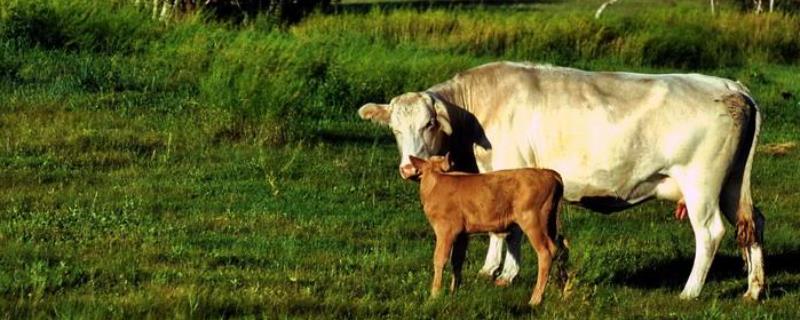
{"points": [[200, 170]]}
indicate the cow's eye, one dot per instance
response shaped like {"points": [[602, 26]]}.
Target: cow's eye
{"points": [[430, 124]]}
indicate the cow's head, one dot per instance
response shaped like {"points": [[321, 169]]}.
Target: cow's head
{"points": [[420, 124]]}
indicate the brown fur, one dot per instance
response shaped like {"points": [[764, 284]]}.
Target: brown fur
{"points": [[459, 204], [737, 107]]}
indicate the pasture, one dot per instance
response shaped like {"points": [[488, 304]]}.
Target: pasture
{"points": [[199, 169]]}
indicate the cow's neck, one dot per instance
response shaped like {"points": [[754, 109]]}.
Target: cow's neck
{"points": [[467, 130], [455, 93], [474, 92]]}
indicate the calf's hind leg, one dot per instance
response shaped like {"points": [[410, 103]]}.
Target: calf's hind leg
{"points": [[545, 248]]}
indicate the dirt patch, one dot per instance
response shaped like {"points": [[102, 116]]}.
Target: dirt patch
{"points": [[778, 149]]}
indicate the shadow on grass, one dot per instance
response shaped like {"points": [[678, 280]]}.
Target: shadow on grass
{"points": [[672, 273], [333, 136]]}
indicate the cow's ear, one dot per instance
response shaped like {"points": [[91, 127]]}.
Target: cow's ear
{"points": [[442, 117], [417, 162], [378, 113]]}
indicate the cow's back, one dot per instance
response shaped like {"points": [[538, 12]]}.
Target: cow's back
{"points": [[602, 131]]}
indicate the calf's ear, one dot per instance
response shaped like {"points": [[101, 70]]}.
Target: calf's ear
{"points": [[378, 113], [417, 162], [445, 164]]}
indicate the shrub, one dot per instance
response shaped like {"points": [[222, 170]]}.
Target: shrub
{"points": [[76, 25], [286, 11]]}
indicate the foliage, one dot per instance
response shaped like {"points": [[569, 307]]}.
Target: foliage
{"points": [[313, 74], [76, 25], [286, 11]]}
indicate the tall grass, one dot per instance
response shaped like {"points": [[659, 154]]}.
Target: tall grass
{"points": [[77, 25], [660, 38], [294, 82]]}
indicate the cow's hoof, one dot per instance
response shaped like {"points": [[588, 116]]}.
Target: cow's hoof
{"points": [[567, 290], [488, 273], [751, 296], [689, 295]]}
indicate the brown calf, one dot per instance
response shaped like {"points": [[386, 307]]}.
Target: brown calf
{"points": [[459, 204]]}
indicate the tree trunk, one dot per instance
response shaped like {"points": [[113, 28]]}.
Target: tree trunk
{"points": [[156, 4], [603, 7]]}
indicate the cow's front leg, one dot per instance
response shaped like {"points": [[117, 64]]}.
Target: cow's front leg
{"points": [[493, 256], [513, 258]]}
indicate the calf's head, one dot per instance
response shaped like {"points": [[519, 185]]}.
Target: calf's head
{"points": [[420, 124], [438, 164]]}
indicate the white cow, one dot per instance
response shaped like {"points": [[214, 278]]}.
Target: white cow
{"points": [[617, 139]]}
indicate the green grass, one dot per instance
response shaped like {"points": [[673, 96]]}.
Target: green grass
{"points": [[198, 169]]}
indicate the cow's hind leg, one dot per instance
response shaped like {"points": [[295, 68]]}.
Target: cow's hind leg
{"points": [[754, 259], [706, 218], [752, 254]]}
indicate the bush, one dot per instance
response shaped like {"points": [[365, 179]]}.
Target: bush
{"points": [[286, 11], [692, 47], [76, 25]]}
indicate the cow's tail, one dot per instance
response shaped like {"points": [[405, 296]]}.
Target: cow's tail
{"points": [[746, 233]]}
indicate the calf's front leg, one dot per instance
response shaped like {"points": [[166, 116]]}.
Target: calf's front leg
{"points": [[457, 260], [444, 243]]}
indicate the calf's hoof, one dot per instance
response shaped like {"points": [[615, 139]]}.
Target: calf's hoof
{"points": [[535, 302], [500, 282]]}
